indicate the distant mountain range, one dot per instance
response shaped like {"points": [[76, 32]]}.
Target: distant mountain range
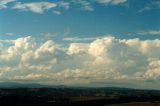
{"points": [[36, 85], [21, 85], [12, 85]]}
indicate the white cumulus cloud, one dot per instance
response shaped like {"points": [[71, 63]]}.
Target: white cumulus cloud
{"points": [[101, 61]]}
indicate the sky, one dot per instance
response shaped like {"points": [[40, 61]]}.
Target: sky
{"points": [[81, 42]]}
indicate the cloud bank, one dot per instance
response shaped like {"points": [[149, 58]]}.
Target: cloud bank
{"points": [[101, 61]]}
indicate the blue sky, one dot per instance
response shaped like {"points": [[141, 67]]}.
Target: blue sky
{"points": [[81, 42], [124, 19]]}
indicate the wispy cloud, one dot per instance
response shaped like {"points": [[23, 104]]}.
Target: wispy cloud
{"points": [[150, 6], [63, 4], [3, 3], [150, 32], [85, 5], [49, 35], [112, 2], [88, 5], [9, 34], [42, 6], [74, 39], [37, 7], [57, 12]]}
